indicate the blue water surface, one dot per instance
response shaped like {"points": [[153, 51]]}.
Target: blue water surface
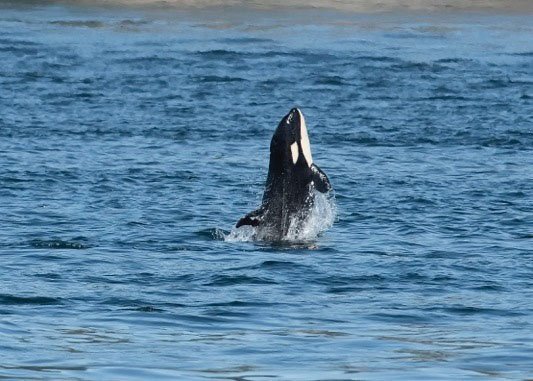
{"points": [[132, 140]]}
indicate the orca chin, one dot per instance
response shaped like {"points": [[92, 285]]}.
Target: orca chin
{"points": [[291, 182]]}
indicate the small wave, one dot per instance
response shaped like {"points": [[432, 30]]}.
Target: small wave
{"points": [[219, 54], [455, 60], [345, 289], [351, 281], [36, 300], [148, 61], [57, 244], [238, 303], [398, 318], [49, 276], [502, 142], [356, 138], [244, 40], [444, 97], [109, 279], [229, 280], [131, 24], [19, 50], [330, 80], [420, 67], [213, 233], [7, 41], [377, 59], [79, 23], [521, 54], [491, 84], [467, 310], [133, 305], [216, 78], [148, 309], [279, 265]]}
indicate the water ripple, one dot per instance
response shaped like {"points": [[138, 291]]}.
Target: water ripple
{"points": [[132, 141]]}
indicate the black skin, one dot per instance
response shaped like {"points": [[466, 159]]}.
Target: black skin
{"points": [[289, 186]]}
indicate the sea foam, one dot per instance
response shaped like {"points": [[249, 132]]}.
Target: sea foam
{"points": [[321, 217]]}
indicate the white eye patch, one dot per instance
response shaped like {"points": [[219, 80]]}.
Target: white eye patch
{"points": [[294, 152]]}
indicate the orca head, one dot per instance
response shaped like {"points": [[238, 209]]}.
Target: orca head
{"points": [[290, 143]]}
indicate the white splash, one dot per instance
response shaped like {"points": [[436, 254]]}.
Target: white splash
{"points": [[245, 233], [321, 218]]}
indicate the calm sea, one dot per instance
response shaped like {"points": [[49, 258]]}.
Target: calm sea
{"points": [[132, 140]]}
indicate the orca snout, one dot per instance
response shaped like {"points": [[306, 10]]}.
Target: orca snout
{"points": [[294, 114], [293, 117], [289, 129]]}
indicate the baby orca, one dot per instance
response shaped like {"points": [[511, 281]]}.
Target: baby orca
{"points": [[291, 181]]}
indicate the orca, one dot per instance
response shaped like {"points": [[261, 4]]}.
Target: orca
{"points": [[291, 181]]}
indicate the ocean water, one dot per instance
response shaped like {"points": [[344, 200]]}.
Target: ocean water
{"points": [[132, 140]]}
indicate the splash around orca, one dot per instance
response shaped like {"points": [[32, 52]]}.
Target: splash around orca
{"points": [[290, 185]]}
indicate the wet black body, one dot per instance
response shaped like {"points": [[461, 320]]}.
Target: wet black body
{"points": [[289, 188]]}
